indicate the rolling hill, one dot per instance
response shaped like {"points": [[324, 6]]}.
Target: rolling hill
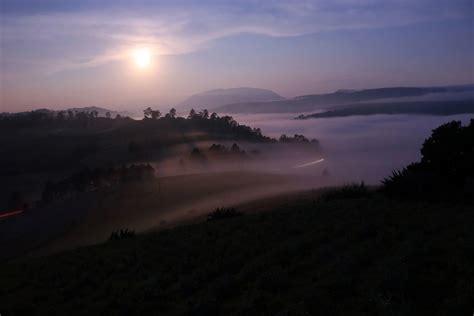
{"points": [[330, 100], [219, 97], [365, 255], [425, 107]]}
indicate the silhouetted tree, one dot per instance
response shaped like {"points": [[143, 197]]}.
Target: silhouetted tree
{"points": [[147, 113], [295, 139], [197, 155], [235, 148], [155, 114], [446, 169], [86, 180], [192, 114], [257, 131], [450, 150], [173, 113], [195, 151], [61, 116], [217, 148]]}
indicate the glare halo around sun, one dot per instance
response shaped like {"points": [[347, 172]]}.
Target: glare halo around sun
{"points": [[142, 57]]}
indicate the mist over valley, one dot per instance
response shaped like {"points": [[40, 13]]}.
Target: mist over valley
{"points": [[305, 157]]}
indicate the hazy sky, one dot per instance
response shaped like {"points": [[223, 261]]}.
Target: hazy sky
{"points": [[63, 53]]}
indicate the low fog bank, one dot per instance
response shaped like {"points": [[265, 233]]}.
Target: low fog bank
{"points": [[275, 158], [358, 148], [446, 96], [161, 203]]}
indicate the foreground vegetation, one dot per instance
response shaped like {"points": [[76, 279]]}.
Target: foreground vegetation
{"points": [[403, 249], [312, 256]]}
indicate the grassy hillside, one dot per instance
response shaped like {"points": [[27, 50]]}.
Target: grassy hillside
{"points": [[40, 146], [34, 143], [89, 217], [358, 254]]}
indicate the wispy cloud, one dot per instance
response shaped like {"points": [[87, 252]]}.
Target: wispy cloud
{"points": [[62, 35]]}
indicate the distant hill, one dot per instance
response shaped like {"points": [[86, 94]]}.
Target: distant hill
{"points": [[88, 109], [45, 142], [331, 100], [421, 107], [101, 111], [219, 97]]}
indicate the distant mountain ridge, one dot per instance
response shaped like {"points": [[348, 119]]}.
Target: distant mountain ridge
{"points": [[422, 107], [328, 101], [219, 97], [101, 112]]}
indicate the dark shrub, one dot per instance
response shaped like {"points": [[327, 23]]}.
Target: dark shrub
{"points": [[446, 169], [217, 148], [222, 213], [122, 234], [349, 191], [410, 182], [197, 156]]}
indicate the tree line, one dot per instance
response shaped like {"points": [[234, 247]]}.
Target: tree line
{"points": [[93, 179]]}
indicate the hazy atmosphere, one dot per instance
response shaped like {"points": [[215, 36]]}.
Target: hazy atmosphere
{"points": [[62, 54], [307, 157]]}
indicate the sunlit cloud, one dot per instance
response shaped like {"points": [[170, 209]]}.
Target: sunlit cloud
{"points": [[104, 32], [58, 51]]}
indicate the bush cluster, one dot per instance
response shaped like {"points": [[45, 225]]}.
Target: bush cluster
{"points": [[223, 213], [122, 234], [445, 171], [349, 191]]}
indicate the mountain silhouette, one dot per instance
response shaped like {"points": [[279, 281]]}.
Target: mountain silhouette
{"points": [[219, 97], [329, 101]]}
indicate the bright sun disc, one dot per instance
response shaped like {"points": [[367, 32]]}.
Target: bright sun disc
{"points": [[142, 57]]}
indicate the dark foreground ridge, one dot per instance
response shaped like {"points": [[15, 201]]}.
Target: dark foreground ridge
{"points": [[363, 255], [354, 250]]}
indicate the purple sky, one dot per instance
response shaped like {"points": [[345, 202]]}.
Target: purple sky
{"points": [[59, 54]]}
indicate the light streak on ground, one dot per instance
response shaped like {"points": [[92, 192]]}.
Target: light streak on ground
{"points": [[10, 214], [309, 163]]}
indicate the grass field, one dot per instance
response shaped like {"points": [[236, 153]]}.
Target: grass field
{"points": [[89, 218], [296, 254]]}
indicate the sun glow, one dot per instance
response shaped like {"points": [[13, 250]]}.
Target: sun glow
{"points": [[142, 57]]}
